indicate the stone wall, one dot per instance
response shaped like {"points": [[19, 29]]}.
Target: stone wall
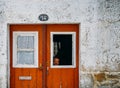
{"points": [[99, 35], [100, 80]]}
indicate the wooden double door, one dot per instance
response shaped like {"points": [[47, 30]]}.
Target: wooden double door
{"points": [[33, 53]]}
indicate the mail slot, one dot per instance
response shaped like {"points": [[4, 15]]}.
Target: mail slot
{"points": [[25, 78]]}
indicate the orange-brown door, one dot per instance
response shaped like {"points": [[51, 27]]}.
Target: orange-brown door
{"points": [[44, 56], [62, 56], [26, 56]]}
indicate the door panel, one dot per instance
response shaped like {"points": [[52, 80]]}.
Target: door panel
{"points": [[16, 72], [47, 74], [62, 77]]}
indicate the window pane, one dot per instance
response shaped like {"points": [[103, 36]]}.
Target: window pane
{"points": [[25, 57], [25, 42], [62, 49]]}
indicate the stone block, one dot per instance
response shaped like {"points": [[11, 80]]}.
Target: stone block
{"points": [[99, 77], [86, 81]]}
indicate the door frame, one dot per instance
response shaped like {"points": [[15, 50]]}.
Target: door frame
{"points": [[44, 27]]}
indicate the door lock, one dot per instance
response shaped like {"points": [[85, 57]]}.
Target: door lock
{"points": [[40, 67]]}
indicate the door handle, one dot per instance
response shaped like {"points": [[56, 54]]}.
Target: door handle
{"points": [[47, 67], [40, 67], [47, 70]]}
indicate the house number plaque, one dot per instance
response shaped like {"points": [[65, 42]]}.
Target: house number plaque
{"points": [[43, 17]]}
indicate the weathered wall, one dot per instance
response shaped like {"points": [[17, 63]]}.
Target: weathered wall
{"points": [[99, 34], [100, 44]]}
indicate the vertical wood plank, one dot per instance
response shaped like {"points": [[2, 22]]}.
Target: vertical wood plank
{"points": [[18, 82], [40, 55], [12, 75], [44, 54]]}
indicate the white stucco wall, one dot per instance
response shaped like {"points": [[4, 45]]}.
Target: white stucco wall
{"points": [[99, 32]]}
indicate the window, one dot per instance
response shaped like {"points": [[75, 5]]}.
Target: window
{"points": [[25, 49], [63, 49]]}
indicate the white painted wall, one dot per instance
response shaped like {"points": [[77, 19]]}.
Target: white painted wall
{"points": [[99, 34]]}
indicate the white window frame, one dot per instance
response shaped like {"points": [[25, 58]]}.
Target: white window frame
{"points": [[26, 33], [73, 50]]}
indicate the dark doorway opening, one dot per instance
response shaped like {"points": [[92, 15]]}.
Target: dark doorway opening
{"points": [[63, 48]]}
